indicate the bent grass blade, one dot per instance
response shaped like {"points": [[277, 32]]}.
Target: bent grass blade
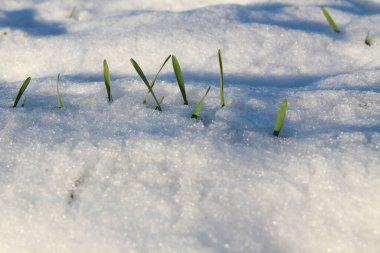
{"points": [[107, 80], [179, 77], [21, 91], [198, 108], [222, 104], [58, 95], [280, 118], [330, 20], [154, 79], [143, 77]]}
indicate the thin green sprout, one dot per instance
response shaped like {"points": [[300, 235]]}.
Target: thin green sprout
{"points": [[58, 95], [222, 104], [280, 118], [179, 77], [107, 80], [330, 20], [198, 108], [21, 91]]}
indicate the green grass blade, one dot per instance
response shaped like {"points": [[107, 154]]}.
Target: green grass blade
{"points": [[161, 100], [143, 77], [179, 76], [222, 104], [58, 95], [330, 20], [107, 80], [140, 72], [73, 13], [198, 108], [280, 118], [155, 78], [21, 91], [23, 102], [368, 40]]}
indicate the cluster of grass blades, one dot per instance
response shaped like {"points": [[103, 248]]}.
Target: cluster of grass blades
{"points": [[280, 118], [178, 73], [23, 88], [21, 91], [330, 20], [181, 84], [107, 80], [179, 77], [145, 80], [180, 81], [198, 107], [154, 81]]}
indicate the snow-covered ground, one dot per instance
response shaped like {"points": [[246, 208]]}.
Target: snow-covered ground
{"points": [[122, 177]]}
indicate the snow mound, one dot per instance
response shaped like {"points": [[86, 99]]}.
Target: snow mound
{"points": [[123, 177]]}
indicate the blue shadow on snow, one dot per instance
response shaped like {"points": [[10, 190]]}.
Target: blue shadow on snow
{"points": [[26, 21]]}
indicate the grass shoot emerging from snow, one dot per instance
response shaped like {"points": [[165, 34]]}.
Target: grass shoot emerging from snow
{"points": [[107, 80], [21, 91], [368, 40], [160, 102], [143, 77], [280, 118], [154, 80], [330, 20], [179, 76], [73, 13], [198, 108], [222, 104], [59, 100], [23, 102]]}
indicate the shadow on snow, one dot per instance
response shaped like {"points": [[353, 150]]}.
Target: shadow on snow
{"points": [[26, 20]]}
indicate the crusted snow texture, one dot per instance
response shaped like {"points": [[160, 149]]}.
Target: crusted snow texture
{"points": [[123, 177]]}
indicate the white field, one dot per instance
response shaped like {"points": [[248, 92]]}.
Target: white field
{"points": [[122, 177]]}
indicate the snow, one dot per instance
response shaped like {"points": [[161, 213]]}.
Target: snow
{"points": [[122, 177]]}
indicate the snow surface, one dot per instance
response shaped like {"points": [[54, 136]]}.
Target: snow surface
{"points": [[122, 177]]}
